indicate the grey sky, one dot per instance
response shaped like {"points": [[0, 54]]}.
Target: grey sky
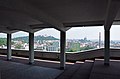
{"points": [[81, 32], [75, 33]]}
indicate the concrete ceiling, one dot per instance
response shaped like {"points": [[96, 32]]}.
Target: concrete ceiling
{"points": [[34, 15]]}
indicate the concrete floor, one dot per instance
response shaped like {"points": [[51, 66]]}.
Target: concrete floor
{"points": [[45, 69], [99, 71], [80, 70], [13, 70], [93, 70], [38, 62]]}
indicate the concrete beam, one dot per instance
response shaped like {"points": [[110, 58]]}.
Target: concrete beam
{"points": [[84, 24], [9, 51], [67, 28], [14, 27], [39, 26], [4, 29], [62, 49], [22, 29], [112, 10]]}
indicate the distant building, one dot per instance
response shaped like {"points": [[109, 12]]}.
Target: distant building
{"points": [[54, 46]]}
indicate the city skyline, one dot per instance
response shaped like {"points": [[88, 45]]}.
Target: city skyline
{"points": [[90, 33]]}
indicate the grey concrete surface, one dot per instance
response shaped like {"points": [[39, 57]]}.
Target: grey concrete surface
{"points": [[100, 71], [12, 70]]}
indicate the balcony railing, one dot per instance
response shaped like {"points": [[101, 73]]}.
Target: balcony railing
{"points": [[76, 56]]}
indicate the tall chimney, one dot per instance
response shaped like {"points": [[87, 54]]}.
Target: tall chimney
{"points": [[99, 39]]}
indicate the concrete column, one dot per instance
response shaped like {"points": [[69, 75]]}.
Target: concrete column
{"points": [[62, 49], [107, 47], [9, 51], [31, 48]]}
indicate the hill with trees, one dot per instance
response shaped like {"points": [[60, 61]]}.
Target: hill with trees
{"points": [[36, 38]]}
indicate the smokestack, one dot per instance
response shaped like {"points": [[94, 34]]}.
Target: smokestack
{"points": [[99, 39]]}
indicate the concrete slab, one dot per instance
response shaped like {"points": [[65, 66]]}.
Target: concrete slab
{"points": [[7, 65], [99, 67], [100, 71], [84, 71], [12, 70], [104, 76], [39, 73]]}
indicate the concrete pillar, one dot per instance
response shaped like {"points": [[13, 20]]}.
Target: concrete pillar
{"points": [[62, 49], [107, 47], [31, 48], [9, 51]]}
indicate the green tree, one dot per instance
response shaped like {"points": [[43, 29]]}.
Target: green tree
{"points": [[18, 46], [72, 50], [86, 48], [3, 41]]}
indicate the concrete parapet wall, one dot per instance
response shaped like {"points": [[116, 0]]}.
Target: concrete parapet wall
{"points": [[69, 56]]}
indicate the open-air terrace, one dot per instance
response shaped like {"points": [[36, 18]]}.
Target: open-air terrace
{"points": [[34, 15]]}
